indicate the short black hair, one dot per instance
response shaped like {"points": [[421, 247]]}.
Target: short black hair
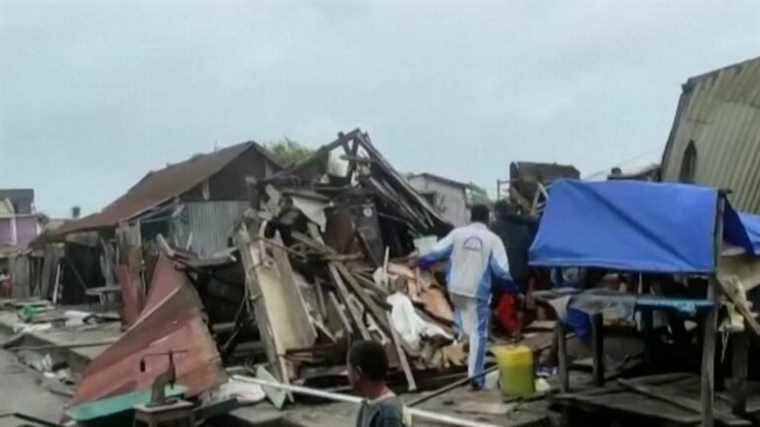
{"points": [[480, 213], [370, 359]]}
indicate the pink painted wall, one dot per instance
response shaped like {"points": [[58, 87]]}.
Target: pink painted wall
{"points": [[26, 230], [5, 231]]}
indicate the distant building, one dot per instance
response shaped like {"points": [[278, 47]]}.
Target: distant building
{"points": [[193, 204], [646, 173], [528, 181], [715, 139], [448, 197], [19, 223]]}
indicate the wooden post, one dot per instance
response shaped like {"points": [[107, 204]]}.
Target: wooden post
{"points": [[564, 376], [597, 344], [708, 359], [647, 323], [739, 365], [710, 327]]}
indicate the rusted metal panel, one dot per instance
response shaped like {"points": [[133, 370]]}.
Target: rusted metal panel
{"points": [[719, 114], [129, 271], [172, 320]]}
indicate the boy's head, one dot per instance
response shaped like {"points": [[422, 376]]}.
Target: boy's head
{"points": [[480, 213], [367, 363]]}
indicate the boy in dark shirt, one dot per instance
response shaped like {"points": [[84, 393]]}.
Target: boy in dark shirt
{"points": [[367, 366]]}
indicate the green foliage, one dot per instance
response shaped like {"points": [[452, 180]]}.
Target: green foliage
{"points": [[288, 152]]}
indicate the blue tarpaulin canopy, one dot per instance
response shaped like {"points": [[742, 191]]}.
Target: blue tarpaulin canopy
{"points": [[635, 226]]}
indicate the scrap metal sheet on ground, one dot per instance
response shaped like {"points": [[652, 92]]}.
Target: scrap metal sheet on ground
{"points": [[172, 320]]}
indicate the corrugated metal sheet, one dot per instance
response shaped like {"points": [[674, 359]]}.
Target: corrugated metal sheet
{"points": [[172, 320], [160, 186], [720, 112], [211, 224]]}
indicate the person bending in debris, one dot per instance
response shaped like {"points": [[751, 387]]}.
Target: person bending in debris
{"points": [[476, 256], [367, 367]]}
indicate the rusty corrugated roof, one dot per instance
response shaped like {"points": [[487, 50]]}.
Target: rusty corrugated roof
{"points": [[157, 187], [171, 320], [719, 112]]}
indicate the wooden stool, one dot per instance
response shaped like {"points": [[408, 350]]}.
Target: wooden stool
{"points": [[179, 414]]}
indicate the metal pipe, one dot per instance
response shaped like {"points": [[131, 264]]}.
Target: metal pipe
{"points": [[408, 412]]}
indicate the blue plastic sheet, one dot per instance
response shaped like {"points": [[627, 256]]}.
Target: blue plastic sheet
{"points": [[629, 226]]}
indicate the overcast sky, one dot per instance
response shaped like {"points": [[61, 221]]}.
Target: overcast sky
{"points": [[93, 94]]}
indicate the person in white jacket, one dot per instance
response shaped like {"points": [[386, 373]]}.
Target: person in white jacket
{"points": [[477, 256]]}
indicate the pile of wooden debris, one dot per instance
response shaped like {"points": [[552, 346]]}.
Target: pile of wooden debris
{"points": [[325, 250]]}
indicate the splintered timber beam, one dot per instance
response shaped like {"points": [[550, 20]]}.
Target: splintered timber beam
{"points": [[338, 307], [376, 312], [344, 294], [411, 383]]}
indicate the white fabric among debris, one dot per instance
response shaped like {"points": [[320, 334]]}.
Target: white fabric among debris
{"points": [[410, 326], [245, 393]]}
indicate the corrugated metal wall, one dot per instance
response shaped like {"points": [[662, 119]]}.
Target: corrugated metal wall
{"points": [[720, 113], [210, 223]]}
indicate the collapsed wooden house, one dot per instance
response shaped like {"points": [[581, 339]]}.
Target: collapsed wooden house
{"points": [[194, 204], [320, 250]]}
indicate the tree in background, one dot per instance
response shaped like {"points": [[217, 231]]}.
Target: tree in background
{"points": [[288, 152], [76, 211]]}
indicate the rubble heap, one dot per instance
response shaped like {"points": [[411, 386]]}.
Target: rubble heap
{"points": [[324, 250]]}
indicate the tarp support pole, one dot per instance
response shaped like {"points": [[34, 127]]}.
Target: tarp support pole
{"points": [[710, 327]]}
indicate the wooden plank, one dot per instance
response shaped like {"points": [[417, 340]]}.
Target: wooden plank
{"points": [[411, 383], [344, 295], [377, 313], [317, 242], [319, 289], [281, 316], [338, 307], [292, 292], [681, 401], [630, 403]]}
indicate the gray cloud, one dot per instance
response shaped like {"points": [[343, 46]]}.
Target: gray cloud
{"points": [[94, 94]]}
